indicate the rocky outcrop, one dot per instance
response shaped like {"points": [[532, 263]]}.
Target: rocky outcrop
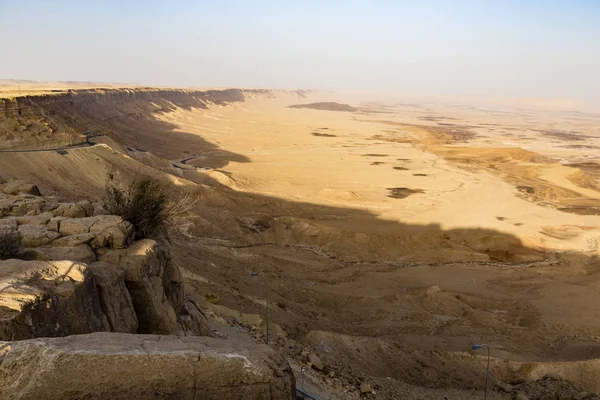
{"points": [[75, 210], [107, 230], [154, 283], [18, 186], [121, 366], [109, 282], [40, 298], [57, 120]]}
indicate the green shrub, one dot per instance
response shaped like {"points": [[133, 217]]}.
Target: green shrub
{"points": [[143, 204], [10, 244]]}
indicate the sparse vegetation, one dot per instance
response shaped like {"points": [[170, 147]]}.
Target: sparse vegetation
{"points": [[146, 205], [10, 244]]}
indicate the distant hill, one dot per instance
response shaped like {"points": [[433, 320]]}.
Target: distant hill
{"points": [[326, 106]]}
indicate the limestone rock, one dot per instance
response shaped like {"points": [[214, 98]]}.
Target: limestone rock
{"points": [[315, 362], [40, 298], [191, 320], [80, 253], [18, 186], [99, 209], [80, 209], [520, 396], [114, 297], [73, 240], [54, 224], [39, 219], [9, 223], [34, 255], [35, 235], [366, 388], [143, 263], [109, 230], [122, 366], [504, 387], [24, 204]]}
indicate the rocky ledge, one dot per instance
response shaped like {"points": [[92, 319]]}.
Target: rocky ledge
{"points": [[83, 273], [124, 366]]}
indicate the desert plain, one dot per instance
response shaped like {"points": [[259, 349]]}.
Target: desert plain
{"points": [[394, 232]]}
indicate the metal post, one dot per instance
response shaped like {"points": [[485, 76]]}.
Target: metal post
{"points": [[487, 373], [267, 281], [267, 290]]}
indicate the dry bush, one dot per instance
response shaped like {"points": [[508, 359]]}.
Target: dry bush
{"points": [[146, 205], [10, 244], [179, 206]]}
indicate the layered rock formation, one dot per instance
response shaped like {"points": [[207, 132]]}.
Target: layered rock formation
{"points": [[83, 273], [123, 366], [58, 120]]}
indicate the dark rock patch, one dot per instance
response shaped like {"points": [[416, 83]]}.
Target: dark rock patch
{"points": [[402, 192]]}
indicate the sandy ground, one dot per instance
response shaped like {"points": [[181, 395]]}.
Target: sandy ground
{"points": [[338, 159], [392, 240]]}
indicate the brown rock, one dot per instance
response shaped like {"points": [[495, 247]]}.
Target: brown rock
{"points": [[191, 320], [315, 362], [41, 298], [144, 265], [40, 219], [520, 396], [54, 224], [73, 240], [80, 253], [114, 297], [80, 209], [18, 186], [10, 222], [366, 388], [24, 204], [122, 366], [504, 387], [35, 235], [109, 230]]}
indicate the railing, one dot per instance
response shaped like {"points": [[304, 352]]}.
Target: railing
{"points": [[301, 394]]}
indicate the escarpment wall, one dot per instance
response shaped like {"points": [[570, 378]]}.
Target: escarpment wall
{"points": [[63, 119]]}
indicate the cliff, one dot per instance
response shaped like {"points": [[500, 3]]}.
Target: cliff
{"points": [[63, 119]]}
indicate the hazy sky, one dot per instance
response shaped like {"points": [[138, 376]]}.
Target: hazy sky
{"points": [[498, 48]]}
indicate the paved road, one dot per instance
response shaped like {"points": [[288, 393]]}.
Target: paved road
{"points": [[87, 143]]}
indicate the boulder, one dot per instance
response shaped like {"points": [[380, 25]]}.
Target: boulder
{"points": [[366, 388], [18, 186], [99, 209], [39, 219], [80, 253], [114, 297], [54, 224], [144, 267], [109, 230], [48, 298], [123, 366], [315, 362], [504, 387], [9, 223], [35, 235], [80, 209], [73, 240], [24, 204], [191, 320]]}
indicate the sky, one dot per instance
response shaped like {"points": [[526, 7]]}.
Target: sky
{"points": [[527, 48]]}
